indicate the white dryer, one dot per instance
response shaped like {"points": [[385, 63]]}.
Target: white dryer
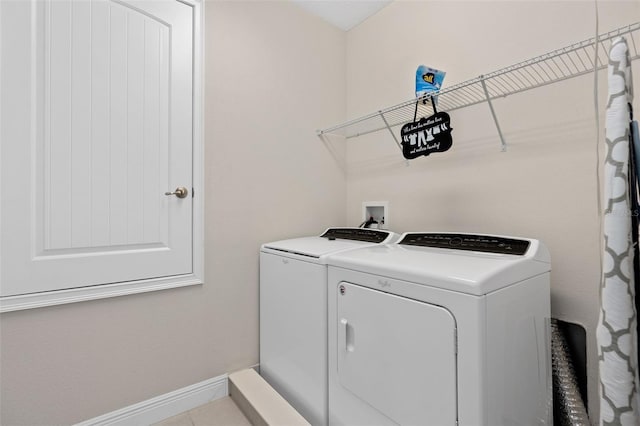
{"points": [[440, 329], [293, 314]]}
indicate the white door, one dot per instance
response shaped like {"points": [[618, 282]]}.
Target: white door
{"points": [[397, 355], [96, 125]]}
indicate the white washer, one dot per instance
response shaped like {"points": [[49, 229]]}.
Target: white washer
{"points": [[293, 314], [440, 329]]}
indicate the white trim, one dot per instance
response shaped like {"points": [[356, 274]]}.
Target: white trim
{"points": [[60, 297], [164, 406], [198, 137], [83, 294]]}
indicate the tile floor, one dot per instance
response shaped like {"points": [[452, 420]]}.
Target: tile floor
{"points": [[221, 412]]}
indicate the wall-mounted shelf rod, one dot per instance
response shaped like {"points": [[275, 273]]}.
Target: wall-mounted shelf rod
{"points": [[558, 65]]}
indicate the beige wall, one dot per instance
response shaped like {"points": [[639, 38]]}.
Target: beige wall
{"points": [[543, 187], [273, 73]]}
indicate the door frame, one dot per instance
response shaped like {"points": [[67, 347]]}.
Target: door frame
{"points": [[60, 297]]}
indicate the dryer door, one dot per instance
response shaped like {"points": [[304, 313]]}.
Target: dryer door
{"points": [[398, 355]]}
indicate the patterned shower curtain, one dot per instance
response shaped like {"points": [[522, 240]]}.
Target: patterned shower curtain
{"points": [[616, 333]]}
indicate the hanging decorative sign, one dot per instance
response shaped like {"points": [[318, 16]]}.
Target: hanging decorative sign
{"points": [[427, 135]]}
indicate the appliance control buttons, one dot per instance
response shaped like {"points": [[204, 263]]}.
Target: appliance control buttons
{"points": [[470, 242]]}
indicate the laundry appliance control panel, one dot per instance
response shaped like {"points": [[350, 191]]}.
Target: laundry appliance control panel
{"points": [[357, 234], [471, 242]]}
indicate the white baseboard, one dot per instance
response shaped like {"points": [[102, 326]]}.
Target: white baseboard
{"points": [[164, 406]]}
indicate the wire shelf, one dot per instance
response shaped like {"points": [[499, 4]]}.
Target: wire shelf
{"points": [[561, 64]]}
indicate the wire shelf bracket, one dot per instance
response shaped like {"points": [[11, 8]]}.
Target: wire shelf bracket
{"points": [[561, 64], [493, 114]]}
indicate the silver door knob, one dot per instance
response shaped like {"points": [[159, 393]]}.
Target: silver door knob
{"points": [[180, 192]]}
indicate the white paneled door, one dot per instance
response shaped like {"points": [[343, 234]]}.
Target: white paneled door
{"points": [[97, 125]]}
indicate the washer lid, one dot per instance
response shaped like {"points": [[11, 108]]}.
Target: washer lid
{"points": [[333, 240], [461, 270]]}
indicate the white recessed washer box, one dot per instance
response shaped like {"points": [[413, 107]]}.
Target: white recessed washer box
{"points": [[378, 210]]}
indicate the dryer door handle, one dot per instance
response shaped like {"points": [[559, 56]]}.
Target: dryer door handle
{"points": [[348, 335]]}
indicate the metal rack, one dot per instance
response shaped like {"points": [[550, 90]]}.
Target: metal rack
{"points": [[561, 64]]}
